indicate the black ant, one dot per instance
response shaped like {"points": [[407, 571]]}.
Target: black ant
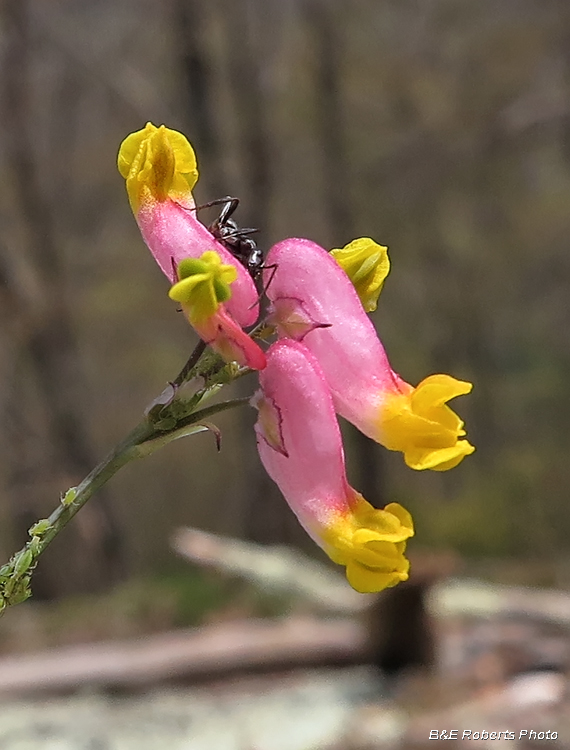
{"points": [[234, 238]]}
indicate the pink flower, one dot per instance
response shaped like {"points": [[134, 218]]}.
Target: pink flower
{"points": [[315, 302], [217, 293], [160, 170], [328, 359], [300, 445]]}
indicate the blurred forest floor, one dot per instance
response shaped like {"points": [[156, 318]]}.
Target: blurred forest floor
{"points": [[501, 671]]}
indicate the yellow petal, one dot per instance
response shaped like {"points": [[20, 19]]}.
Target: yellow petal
{"points": [[366, 263], [437, 390], [402, 515], [158, 162], [370, 542], [419, 423], [368, 580], [441, 459]]}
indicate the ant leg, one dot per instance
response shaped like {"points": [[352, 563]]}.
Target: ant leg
{"points": [[228, 209], [263, 291], [233, 202], [238, 232], [273, 268]]}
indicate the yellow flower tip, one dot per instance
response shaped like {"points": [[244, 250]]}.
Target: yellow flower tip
{"points": [[371, 544], [441, 459], [159, 163], [204, 283], [421, 425], [366, 263]]}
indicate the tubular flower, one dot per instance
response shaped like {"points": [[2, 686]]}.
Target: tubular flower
{"points": [[159, 166], [300, 445], [366, 264], [315, 302], [202, 289]]}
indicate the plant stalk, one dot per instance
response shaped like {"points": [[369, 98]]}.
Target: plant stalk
{"points": [[163, 423]]}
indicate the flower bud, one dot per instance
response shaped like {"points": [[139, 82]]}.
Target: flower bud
{"points": [[366, 264]]}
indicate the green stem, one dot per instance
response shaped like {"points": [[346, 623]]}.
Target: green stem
{"points": [[191, 364], [142, 441], [195, 422], [148, 436], [74, 500]]}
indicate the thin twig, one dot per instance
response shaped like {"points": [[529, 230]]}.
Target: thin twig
{"points": [[199, 349]]}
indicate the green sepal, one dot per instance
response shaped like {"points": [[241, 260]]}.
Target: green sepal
{"points": [[222, 290], [190, 267]]}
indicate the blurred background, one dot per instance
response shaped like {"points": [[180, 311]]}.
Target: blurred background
{"points": [[438, 127]]}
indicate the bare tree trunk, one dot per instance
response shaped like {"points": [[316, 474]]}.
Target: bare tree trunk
{"points": [[327, 42], [266, 518], [48, 350], [244, 72], [327, 39], [198, 97]]}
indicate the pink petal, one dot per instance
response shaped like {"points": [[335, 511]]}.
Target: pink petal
{"points": [[298, 437], [349, 352], [300, 445], [224, 335], [173, 233]]}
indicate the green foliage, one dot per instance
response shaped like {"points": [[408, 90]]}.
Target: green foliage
{"points": [[183, 597], [477, 525]]}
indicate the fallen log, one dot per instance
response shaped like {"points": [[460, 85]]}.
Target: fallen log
{"points": [[277, 568], [470, 597], [211, 651], [272, 568]]}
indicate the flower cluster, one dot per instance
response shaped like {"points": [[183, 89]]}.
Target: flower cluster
{"points": [[327, 360]]}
